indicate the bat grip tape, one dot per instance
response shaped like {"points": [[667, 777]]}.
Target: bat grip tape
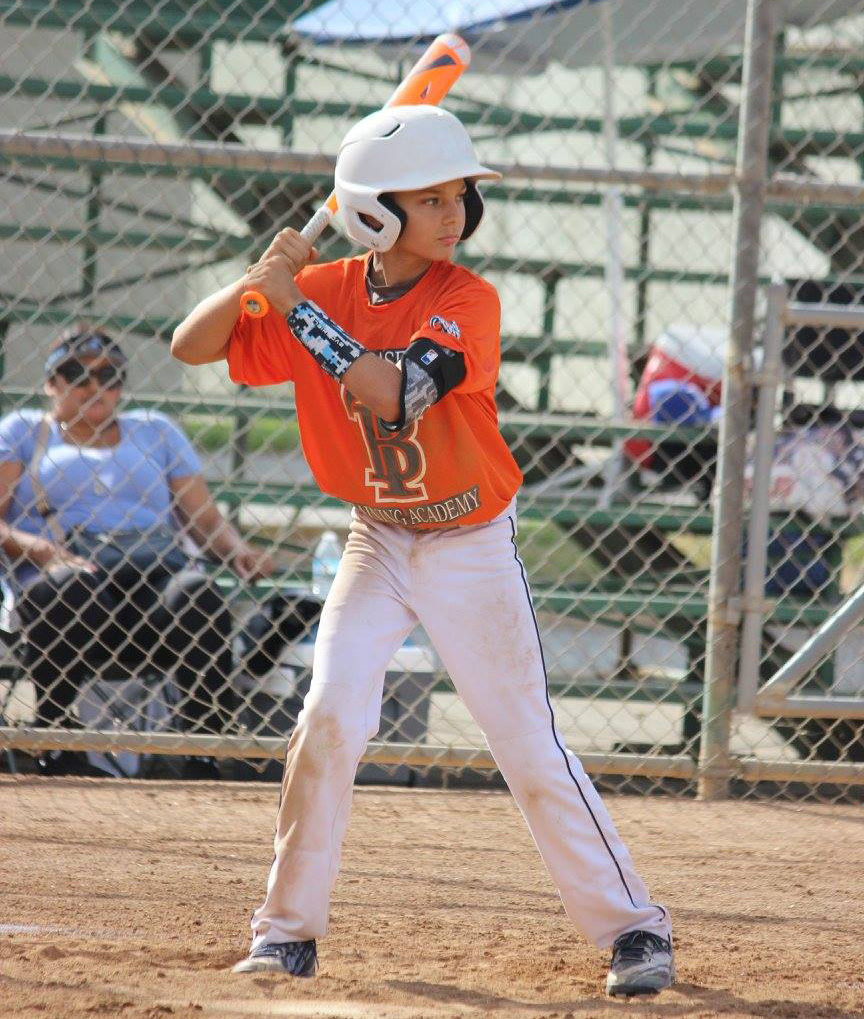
{"points": [[317, 224]]}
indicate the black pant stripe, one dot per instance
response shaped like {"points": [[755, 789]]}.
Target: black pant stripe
{"points": [[552, 720]]}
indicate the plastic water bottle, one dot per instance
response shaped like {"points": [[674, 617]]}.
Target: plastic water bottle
{"points": [[325, 563]]}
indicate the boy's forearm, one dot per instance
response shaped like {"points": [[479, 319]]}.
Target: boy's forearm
{"points": [[202, 337], [375, 383]]}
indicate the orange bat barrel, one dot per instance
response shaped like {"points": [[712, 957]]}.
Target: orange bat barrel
{"points": [[428, 81], [434, 74]]}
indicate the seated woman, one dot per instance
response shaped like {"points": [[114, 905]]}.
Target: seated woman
{"points": [[95, 507]]}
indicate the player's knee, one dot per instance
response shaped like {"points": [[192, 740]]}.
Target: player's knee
{"points": [[331, 729]]}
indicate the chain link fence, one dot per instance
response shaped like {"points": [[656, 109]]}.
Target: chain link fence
{"points": [[148, 152]]}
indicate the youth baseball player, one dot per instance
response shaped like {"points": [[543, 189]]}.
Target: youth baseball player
{"points": [[394, 355]]}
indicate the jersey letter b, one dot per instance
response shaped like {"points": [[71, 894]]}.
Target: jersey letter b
{"points": [[397, 463]]}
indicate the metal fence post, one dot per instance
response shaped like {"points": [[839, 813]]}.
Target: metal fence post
{"points": [[760, 500], [725, 583]]}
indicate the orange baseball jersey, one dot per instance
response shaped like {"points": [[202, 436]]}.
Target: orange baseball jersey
{"points": [[451, 467]]}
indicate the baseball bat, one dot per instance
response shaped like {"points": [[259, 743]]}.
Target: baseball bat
{"points": [[428, 81]]}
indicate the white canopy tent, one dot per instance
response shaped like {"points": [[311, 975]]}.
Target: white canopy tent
{"points": [[512, 33]]}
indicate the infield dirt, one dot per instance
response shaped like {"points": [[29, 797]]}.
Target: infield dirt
{"points": [[132, 899]]}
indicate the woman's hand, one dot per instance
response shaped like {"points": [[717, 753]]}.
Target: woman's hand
{"points": [[48, 556], [250, 563], [273, 274]]}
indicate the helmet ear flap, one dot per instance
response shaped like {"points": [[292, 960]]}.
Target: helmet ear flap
{"points": [[380, 239], [389, 203], [473, 208], [356, 217]]}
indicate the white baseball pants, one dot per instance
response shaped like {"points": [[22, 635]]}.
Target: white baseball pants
{"points": [[467, 587]]}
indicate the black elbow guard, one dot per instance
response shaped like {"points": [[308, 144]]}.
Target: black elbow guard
{"points": [[429, 372]]}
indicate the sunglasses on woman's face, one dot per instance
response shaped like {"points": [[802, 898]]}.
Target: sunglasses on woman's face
{"points": [[76, 373]]}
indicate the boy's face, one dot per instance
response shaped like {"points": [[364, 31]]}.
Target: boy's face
{"points": [[436, 219]]}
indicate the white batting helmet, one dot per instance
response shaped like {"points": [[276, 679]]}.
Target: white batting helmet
{"points": [[403, 148]]}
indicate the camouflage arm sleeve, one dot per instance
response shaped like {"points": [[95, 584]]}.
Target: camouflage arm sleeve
{"points": [[429, 370], [327, 342]]}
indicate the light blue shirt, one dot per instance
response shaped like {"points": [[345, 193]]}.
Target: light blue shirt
{"points": [[117, 488]]}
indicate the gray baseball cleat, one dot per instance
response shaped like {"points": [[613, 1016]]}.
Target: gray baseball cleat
{"points": [[642, 963], [291, 958]]}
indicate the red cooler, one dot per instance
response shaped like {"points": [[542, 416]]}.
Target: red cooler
{"points": [[681, 382]]}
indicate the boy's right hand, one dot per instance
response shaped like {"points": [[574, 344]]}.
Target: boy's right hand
{"points": [[294, 247]]}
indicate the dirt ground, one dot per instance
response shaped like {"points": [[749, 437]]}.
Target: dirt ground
{"points": [[132, 900]]}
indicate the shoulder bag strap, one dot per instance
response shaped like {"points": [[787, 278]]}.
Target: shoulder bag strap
{"points": [[43, 506]]}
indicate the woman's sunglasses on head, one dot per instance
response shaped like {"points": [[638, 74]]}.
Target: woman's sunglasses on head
{"points": [[76, 373]]}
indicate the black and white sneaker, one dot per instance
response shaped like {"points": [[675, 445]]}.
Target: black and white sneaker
{"points": [[292, 958], [642, 963]]}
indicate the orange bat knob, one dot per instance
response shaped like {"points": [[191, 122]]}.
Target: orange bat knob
{"points": [[254, 305]]}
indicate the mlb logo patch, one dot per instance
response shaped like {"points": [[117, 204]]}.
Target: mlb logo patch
{"points": [[429, 356]]}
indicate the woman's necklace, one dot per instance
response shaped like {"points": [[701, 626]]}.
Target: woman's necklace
{"points": [[96, 440]]}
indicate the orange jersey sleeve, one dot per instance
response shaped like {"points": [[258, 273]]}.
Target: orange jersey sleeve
{"points": [[259, 350], [468, 319]]}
